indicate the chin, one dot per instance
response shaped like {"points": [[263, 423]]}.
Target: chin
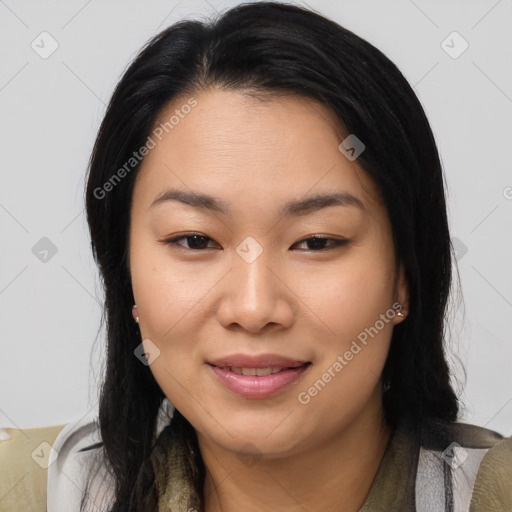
{"points": [[272, 438]]}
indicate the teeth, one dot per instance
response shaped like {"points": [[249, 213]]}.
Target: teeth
{"points": [[260, 372], [234, 370], [263, 371]]}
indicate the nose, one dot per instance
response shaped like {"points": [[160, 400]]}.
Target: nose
{"points": [[255, 297]]}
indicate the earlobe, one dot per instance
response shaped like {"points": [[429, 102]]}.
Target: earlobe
{"points": [[402, 293], [135, 313]]}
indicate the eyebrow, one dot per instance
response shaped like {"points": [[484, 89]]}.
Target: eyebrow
{"points": [[291, 208]]}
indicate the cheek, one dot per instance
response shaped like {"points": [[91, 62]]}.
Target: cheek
{"points": [[351, 297], [171, 299], [354, 307], [167, 293], [168, 298], [354, 350]]}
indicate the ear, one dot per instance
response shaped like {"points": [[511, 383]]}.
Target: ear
{"points": [[402, 293]]}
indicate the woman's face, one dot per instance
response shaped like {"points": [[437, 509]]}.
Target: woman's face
{"points": [[253, 282]]}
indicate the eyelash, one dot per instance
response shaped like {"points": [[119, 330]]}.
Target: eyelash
{"points": [[174, 240]]}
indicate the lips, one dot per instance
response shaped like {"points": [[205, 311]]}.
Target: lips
{"points": [[256, 361], [257, 376], [260, 372]]}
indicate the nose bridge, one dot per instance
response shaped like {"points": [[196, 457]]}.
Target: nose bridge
{"points": [[253, 279], [254, 296]]}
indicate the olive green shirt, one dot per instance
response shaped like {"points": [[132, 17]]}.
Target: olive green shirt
{"points": [[443, 468]]}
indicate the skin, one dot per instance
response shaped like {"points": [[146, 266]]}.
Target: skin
{"points": [[293, 300]]}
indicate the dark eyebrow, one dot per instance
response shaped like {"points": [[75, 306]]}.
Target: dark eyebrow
{"points": [[195, 199], [293, 207], [319, 201]]}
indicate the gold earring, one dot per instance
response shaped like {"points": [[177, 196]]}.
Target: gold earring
{"points": [[134, 308]]}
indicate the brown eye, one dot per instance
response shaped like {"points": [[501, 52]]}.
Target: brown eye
{"points": [[195, 241], [317, 243]]}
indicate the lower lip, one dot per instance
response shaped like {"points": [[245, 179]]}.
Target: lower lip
{"points": [[252, 386]]}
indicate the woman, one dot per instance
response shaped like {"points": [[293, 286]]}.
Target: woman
{"points": [[266, 207]]}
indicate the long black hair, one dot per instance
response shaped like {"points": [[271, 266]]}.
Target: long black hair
{"points": [[270, 48]]}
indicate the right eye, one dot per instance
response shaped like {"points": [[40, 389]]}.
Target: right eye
{"points": [[195, 241]]}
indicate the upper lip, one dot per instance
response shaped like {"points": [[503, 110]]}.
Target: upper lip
{"points": [[261, 361]]}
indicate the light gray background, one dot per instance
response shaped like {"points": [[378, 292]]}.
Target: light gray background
{"points": [[50, 112]]}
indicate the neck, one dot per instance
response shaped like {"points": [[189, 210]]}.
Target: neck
{"points": [[335, 475]]}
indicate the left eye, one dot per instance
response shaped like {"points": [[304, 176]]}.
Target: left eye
{"points": [[318, 243], [197, 242]]}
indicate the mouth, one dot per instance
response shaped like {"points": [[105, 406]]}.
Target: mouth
{"points": [[260, 372], [258, 383]]}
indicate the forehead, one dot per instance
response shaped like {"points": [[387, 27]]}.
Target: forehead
{"points": [[244, 122], [230, 145]]}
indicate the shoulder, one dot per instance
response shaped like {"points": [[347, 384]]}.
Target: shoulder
{"points": [[464, 464], [77, 461], [23, 467], [493, 485], [76, 457]]}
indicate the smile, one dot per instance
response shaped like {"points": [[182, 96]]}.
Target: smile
{"points": [[260, 372], [258, 382]]}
